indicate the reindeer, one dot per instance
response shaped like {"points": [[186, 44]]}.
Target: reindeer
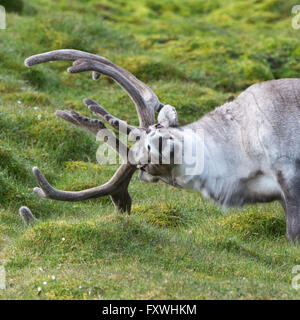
{"points": [[250, 146]]}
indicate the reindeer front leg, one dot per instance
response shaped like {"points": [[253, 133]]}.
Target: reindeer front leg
{"points": [[293, 220], [291, 204]]}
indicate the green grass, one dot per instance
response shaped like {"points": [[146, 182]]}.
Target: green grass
{"points": [[175, 245]]}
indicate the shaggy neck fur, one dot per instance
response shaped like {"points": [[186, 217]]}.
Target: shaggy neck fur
{"points": [[229, 176]]}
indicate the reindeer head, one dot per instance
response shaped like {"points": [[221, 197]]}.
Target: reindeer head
{"points": [[155, 142], [153, 151]]}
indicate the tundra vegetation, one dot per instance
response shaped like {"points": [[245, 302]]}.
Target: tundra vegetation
{"points": [[175, 245]]}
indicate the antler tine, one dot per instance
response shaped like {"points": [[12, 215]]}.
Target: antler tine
{"points": [[106, 116], [145, 100], [90, 125], [97, 128], [121, 177]]}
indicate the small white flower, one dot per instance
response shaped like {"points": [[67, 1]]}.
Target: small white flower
{"points": [[39, 117], [80, 287], [44, 283], [39, 289], [244, 278], [63, 239], [53, 277], [35, 108], [19, 101]]}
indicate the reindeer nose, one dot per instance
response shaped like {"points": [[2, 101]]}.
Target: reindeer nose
{"points": [[148, 130]]}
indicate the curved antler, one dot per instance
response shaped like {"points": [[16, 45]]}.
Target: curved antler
{"points": [[124, 172], [145, 100]]}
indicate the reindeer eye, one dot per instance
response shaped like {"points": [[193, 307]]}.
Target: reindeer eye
{"points": [[158, 126]]}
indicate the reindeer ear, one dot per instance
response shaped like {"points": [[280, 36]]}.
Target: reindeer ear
{"points": [[167, 116]]}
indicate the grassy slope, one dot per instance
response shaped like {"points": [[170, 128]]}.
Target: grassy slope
{"points": [[194, 54]]}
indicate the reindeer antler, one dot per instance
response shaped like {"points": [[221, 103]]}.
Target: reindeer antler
{"points": [[145, 99], [146, 103]]}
